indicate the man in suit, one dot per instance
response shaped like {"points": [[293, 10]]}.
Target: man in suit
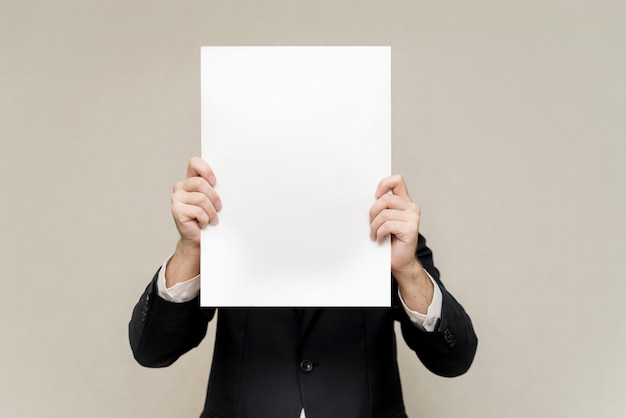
{"points": [[324, 363]]}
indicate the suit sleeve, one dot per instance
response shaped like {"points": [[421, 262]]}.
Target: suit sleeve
{"points": [[161, 331], [450, 349]]}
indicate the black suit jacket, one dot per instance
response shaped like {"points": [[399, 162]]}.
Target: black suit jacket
{"points": [[271, 362]]}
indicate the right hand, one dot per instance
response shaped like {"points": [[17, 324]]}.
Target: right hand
{"points": [[195, 203]]}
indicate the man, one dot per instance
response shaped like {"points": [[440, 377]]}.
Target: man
{"points": [[322, 363]]}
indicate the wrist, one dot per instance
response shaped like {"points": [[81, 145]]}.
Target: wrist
{"points": [[415, 286], [187, 246], [184, 264], [408, 273]]}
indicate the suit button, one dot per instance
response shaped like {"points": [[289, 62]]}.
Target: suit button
{"points": [[449, 337], [306, 366]]}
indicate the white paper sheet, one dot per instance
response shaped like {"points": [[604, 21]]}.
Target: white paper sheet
{"points": [[299, 138]]}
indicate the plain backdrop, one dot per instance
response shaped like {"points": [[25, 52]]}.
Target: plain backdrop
{"points": [[508, 123]]}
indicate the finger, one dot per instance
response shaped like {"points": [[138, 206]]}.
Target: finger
{"points": [[184, 213], [389, 227], [199, 200], [392, 217], [394, 183], [405, 231], [200, 185], [197, 167], [389, 201]]}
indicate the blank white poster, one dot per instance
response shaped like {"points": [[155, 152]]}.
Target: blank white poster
{"points": [[299, 138]]}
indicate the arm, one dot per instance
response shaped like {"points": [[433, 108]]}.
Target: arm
{"points": [[160, 331], [450, 349]]}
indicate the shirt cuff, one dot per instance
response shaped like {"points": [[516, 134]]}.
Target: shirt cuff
{"points": [[426, 322], [180, 292]]}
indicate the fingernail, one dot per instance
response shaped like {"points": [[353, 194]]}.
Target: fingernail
{"points": [[212, 180]]}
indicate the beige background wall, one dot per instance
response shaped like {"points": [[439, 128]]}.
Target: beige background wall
{"points": [[508, 121]]}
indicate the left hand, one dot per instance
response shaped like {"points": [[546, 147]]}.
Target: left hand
{"points": [[395, 213]]}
